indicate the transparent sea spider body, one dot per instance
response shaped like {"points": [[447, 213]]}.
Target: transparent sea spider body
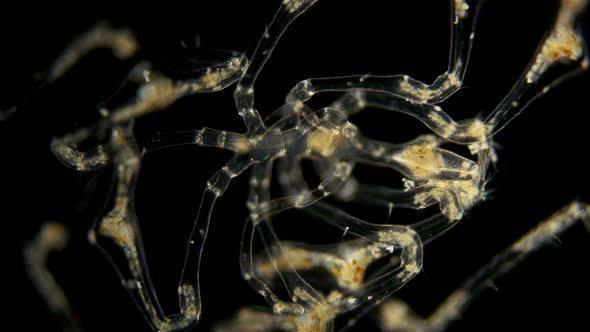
{"points": [[459, 196], [434, 175], [116, 145]]}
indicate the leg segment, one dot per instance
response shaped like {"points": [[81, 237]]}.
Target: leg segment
{"points": [[561, 55], [403, 86], [396, 315], [119, 227], [468, 132], [309, 307], [121, 42], [305, 198], [207, 137], [244, 94], [51, 237], [188, 289], [157, 93]]}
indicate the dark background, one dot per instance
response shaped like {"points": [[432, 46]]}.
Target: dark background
{"points": [[542, 155]]}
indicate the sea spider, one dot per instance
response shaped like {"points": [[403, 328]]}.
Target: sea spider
{"points": [[433, 176]]}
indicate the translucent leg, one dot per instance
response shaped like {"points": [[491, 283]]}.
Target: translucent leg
{"points": [[473, 132], [396, 315], [122, 43], [308, 305], [292, 182], [348, 261], [470, 131], [350, 103], [244, 94], [269, 142], [51, 237], [259, 192], [119, 228], [403, 86], [157, 93], [118, 235], [561, 55], [207, 137], [348, 268], [188, 289], [340, 173]]}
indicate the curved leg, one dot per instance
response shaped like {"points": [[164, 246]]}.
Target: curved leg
{"points": [[396, 315], [244, 94], [341, 172], [122, 43], [188, 289], [561, 55], [468, 132], [375, 241], [308, 305], [347, 261], [403, 86], [119, 229], [474, 133], [52, 237], [157, 93]]}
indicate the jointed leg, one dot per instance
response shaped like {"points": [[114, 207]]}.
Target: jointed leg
{"points": [[473, 133], [341, 171], [347, 261], [561, 55], [307, 303], [396, 315], [206, 137], [188, 289], [157, 93], [403, 86], [468, 132], [119, 227], [348, 268], [244, 94]]}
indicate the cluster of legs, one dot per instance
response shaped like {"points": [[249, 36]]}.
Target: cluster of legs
{"points": [[433, 176]]}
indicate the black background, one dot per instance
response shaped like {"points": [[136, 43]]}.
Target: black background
{"points": [[542, 155]]}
